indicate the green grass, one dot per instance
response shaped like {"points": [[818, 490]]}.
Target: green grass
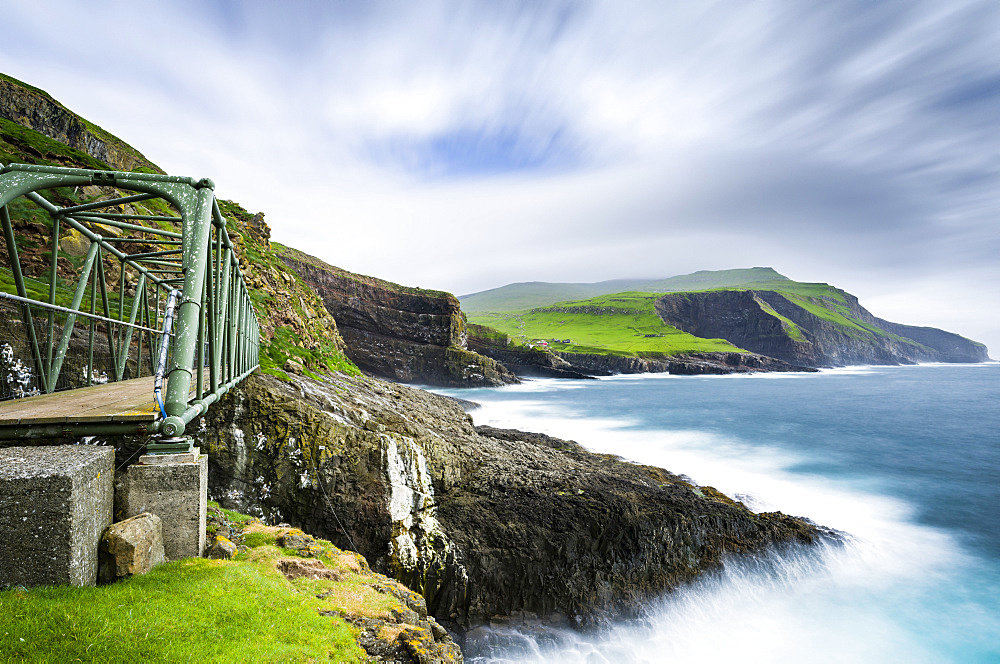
{"points": [[234, 518], [283, 347], [790, 328], [189, 610], [623, 324]]}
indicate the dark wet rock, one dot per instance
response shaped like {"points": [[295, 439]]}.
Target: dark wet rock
{"points": [[481, 522], [690, 364]]}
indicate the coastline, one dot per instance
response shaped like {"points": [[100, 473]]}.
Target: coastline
{"points": [[900, 573]]}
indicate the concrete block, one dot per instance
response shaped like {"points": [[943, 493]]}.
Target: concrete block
{"points": [[174, 487], [55, 501]]}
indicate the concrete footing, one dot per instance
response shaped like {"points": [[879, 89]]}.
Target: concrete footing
{"points": [[174, 487], [54, 504]]}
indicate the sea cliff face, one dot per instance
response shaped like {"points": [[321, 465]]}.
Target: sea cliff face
{"points": [[688, 364], [404, 334], [769, 323], [482, 522]]}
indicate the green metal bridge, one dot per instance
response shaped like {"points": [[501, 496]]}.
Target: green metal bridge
{"points": [[124, 311]]}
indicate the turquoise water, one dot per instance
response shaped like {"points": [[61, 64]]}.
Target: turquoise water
{"points": [[906, 460]]}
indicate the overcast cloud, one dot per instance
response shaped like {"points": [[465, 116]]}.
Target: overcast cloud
{"points": [[465, 145]]}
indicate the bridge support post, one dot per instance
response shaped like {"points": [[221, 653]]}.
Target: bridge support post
{"points": [[174, 487]]}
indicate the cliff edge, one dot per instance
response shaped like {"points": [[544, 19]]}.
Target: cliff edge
{"points": [[828, 330], [410, 335]]}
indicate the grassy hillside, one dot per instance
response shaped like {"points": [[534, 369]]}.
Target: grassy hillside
{"points": [[529, 295], [627, 323], [621, 324], [754, 277], [38, 110]]}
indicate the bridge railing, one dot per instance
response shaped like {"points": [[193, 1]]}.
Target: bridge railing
{"points": [[93, 308]]}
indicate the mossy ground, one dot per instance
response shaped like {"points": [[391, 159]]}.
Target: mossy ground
{"points": [[269, 604]]}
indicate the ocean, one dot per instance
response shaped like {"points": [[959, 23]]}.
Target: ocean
{"points": [[904, 460]]}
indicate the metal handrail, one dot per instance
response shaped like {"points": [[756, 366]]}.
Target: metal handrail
{"points": [[213, 318], [66, 310]]}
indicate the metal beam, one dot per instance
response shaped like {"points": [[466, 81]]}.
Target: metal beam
{"points": [[216, 323]]}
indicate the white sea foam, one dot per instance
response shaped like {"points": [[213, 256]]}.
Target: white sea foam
{"points": [[865, 601]]}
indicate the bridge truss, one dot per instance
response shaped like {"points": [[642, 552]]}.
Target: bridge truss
{"points": [[140, 279]]}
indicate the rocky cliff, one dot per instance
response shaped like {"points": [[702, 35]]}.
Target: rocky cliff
{"points": [[822, 333], [410, 335], [522, 360], [482, 522], [687, 364], [37, 110]]}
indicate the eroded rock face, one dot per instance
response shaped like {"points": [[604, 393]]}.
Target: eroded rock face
{"points": [[481, 522], [36, 110], [396, 332], [746, 318]]}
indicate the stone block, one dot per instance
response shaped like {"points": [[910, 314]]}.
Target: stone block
{"points": [[55, 501], [173, 487], [132, 546]]}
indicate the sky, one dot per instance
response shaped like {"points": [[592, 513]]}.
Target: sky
{"points": [[462, 146]]}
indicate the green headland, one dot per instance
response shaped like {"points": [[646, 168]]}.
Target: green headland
{"points": [[623, 324]]}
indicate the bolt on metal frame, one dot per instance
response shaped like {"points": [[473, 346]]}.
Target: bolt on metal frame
{"points": [[215, 321]]}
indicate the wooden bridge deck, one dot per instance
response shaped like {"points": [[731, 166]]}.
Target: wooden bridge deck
{"points": [[124, 401]]}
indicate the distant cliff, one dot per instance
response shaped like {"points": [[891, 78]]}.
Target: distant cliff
{"points": [[522, 360], [542, 362], [816, 331], [404, 334]]}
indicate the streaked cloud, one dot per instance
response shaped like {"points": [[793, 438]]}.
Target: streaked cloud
{"points": [[462, 145]]}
